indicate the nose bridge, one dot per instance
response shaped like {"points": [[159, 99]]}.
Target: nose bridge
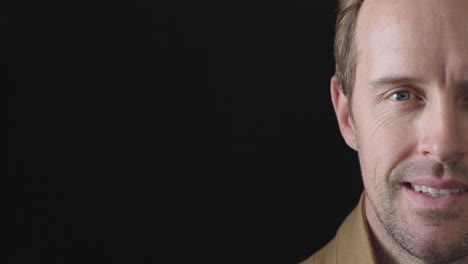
{"points": [[444, 130]]}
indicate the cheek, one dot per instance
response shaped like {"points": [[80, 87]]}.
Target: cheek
{"points": [[385, 140]]}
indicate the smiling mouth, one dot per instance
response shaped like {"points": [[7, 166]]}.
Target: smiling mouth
{"points": [[433, 192]]}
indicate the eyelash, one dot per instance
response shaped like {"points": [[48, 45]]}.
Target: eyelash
{"points": [[414, 100]]}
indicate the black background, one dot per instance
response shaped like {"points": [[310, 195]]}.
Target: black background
{"points": [[172, 134]]}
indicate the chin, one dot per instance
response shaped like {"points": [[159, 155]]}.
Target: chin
{"points": [[434, 250], [435, 237]]}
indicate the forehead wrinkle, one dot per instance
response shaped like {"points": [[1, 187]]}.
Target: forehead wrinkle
{"points": [[400, 47]]}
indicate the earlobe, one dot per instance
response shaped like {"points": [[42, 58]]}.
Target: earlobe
{"points": [[343, 113]]}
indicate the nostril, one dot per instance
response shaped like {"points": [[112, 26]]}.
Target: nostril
{"points": [[444, 156]]}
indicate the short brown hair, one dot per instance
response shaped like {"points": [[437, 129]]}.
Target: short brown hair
{"points": [[345, 43]]}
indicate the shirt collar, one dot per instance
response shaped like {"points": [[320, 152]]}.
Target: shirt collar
{"points": [[353, 238]]}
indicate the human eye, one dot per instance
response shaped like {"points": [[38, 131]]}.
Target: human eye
{"points": [[402, 96]]}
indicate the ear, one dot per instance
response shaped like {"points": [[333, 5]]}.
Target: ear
{"points": [[343, 113]]}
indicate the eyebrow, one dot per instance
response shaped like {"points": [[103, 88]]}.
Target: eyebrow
{"points": [[392, 80], [386, 81]]}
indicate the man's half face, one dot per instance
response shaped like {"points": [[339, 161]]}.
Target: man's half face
{"points": [[410, 122]]}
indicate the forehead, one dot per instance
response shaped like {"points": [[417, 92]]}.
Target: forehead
{"points": [[417, 37]]}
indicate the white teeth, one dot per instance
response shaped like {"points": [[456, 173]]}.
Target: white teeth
{"points": [[435, 192], [444, 191]]}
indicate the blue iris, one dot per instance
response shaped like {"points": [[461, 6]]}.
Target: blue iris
{"points": [[402, 96]]}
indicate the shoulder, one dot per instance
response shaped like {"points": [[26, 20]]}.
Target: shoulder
{"points": [[351, 243]]}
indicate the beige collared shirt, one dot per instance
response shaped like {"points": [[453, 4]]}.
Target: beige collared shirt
{"points": [[351, 243]]}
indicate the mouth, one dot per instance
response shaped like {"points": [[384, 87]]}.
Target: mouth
{"points": [[434, 192]]}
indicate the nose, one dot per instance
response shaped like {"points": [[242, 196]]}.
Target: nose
{"points": [[444, 132]]}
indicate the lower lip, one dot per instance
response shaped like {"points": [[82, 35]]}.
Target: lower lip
{"points": [[446, 201]]}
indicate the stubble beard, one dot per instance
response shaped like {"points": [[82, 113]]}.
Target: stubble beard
{"points": [[431, 251]]}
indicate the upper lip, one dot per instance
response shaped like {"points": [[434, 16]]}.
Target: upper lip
{"points": [[439, 184]]}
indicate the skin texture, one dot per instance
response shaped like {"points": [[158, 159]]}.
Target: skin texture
{"points": [[424, 43]]}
